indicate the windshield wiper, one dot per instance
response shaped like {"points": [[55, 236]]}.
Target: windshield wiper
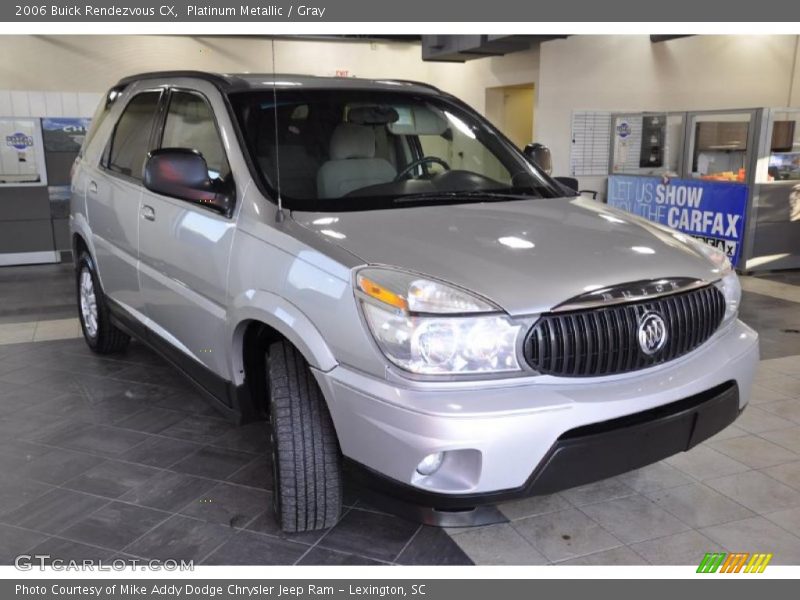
{"points": [[489, 195]]}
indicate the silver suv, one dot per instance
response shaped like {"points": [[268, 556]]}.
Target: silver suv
{"points": [[378, 272]]}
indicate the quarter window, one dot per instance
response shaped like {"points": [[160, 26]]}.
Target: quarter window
{"points": [[131, 141], [190, 124]]}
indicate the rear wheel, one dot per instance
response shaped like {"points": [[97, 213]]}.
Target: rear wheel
{"points": [[101, 335], [307, 494]]}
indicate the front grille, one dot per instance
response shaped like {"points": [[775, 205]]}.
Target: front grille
{"points": [[605, 340]]}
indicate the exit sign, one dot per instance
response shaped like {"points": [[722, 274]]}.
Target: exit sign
{"points": [[342, 73]]}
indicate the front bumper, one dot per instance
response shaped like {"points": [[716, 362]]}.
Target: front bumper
{"points": [[537, 435]]}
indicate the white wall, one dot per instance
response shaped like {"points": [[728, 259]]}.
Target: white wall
{"points": [[580, 72], [94, 63], [631, 73], [36, 103]]}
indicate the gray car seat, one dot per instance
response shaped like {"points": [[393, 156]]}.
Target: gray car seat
{"points": [[353, 164]]}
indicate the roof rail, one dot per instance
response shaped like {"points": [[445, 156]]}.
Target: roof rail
{"points": [[413, 82], [217, 79]]}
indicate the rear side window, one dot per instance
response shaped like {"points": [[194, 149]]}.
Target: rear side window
{"points": [[100, 114], [131, 141], [190, 124]]}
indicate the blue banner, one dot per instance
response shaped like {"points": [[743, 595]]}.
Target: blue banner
{"points": [[711, 211]]}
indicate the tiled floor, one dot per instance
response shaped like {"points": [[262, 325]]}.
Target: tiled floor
{"points": [[121, 458]]}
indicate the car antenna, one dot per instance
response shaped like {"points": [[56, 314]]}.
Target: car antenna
{"points": [[279, 216]]}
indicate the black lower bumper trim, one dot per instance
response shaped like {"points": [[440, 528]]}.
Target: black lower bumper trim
{"points": [[580, 456]]}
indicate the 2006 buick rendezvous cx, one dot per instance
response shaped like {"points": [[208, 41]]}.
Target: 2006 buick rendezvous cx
{"points": [[377, 271]]}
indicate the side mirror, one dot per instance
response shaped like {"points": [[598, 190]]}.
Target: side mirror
{"points": [[539, 154], [182, 173]]}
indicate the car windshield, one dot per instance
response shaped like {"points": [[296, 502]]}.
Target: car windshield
{"points": [[369, 149]]}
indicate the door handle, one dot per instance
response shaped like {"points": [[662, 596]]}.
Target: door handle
{"points": [[148, 212], [92, 187]]}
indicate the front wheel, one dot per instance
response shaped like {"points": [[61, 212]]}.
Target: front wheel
{"points": [[101, 335], [307, 473]]}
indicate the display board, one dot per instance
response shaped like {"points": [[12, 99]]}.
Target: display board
{"points": [[709, 211], [21, 155], [627, 140], [591, 135], [64, 134]]}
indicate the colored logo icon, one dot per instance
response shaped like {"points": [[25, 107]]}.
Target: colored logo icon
{"points": [[736, 562], [19, 141]]}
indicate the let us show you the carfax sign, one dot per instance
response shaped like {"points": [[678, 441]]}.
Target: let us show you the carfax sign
{"points": [[710, 211]]}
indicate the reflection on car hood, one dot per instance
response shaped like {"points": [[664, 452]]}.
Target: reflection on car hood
{"points": [[526, 256]]}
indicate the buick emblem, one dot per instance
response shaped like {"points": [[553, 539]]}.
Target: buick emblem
{"points": [[652, 333]]}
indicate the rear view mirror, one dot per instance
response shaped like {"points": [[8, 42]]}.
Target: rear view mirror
{"points": [[182, 173], [539, 154]]}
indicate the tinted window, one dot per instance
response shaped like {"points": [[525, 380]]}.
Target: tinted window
{"points": [[131, 141], [100, 114], [369, 149], [190, 124]]}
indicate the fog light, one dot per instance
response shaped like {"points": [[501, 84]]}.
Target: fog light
{"points": [[430, 464]]}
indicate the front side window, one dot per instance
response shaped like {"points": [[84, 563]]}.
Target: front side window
{"points": [[190, 124], [131, 141], [329, 150]]}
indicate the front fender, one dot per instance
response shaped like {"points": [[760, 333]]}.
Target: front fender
{"points": [[283, 316]]}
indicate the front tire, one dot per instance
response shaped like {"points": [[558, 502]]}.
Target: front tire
{"points": [[307, 473], [101, 335]]}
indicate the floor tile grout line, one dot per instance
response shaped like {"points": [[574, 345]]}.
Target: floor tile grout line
{"points": [[130, 503], [543, 553], [763, 470], [698, 528], [149, 531], [70, 522], [58, 536], [31, 438], [560, 563], [408, 543], [242, 529], [353, 553], [316, 543], [168, 513], [133, 463]]}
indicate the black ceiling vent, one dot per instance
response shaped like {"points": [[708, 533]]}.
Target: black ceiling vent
{"points": [[461, 48]]}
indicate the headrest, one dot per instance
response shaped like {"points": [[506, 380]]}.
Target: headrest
{"points": [[418, 120], [373, 114], [352, 141]]}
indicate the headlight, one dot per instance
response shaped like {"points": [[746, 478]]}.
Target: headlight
{"points": [[729, 281], [430, 328], [732, 290]]}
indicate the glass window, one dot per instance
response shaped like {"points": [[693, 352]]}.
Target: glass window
{"points": [[647, 144], [460, 149], [190, 124], [784, 158], [718, 148], [372, 149], [100, 114], [131, 141]]}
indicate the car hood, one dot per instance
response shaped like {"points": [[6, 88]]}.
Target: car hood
{"points": [[527, 256]]}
